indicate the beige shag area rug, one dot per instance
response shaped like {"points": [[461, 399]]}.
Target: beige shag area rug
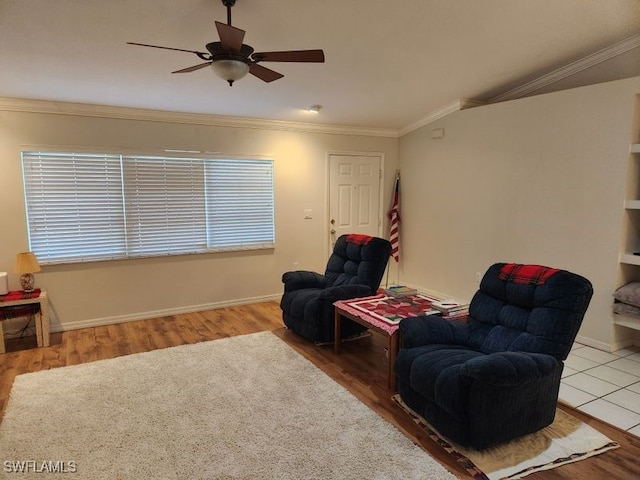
{"points": [[246, 407], [566, 440]]}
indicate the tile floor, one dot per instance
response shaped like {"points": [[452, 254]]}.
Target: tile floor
{"points": [[604, 385]]}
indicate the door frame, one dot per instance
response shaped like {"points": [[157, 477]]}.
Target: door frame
{"points": [[327, 216]]}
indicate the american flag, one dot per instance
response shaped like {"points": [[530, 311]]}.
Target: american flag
{"points": [[394, 216]]}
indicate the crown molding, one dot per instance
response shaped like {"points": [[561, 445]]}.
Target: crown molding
{"points": [[126, 113], [561, 73], [460, 104], [572, 68]]}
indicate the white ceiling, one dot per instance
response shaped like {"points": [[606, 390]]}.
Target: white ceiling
{"points": [[389, 63]]}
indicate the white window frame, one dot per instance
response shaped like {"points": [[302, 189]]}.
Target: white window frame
{"points": [[84, 207]]}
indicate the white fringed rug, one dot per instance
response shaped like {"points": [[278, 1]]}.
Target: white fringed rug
{"points": [[246, 407], [566, 440]]}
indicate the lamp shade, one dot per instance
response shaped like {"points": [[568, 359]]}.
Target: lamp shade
{"points": [[230, 69], [26, 263]]}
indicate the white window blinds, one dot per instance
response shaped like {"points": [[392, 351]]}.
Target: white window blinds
{"points": [[74, 206], [165, 205], [86, 207], [240, 213]]}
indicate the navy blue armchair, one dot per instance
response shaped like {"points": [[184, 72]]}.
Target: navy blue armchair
{"points": [[496, 376], [355, 269]]}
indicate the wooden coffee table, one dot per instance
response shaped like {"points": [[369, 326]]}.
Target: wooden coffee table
{"points": [[381, 314]]}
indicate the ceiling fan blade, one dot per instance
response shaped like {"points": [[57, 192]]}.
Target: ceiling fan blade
{"points": [[263, 73], [290, 56], [230, 36], [167, 48], [193, 68]]}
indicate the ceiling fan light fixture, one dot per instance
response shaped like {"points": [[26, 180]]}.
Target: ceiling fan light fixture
{"points": [[315, 109], [231, 59], [230, 69]]}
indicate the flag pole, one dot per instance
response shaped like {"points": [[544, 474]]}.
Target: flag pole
{"points": [[394, 226]]}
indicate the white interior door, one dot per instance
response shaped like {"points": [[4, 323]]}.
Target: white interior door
{"points": [[354, 195]]}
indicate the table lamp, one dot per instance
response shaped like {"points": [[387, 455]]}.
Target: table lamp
{"points": [[26, 266]]}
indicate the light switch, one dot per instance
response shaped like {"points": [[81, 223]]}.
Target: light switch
{"points": [[308, 214]]}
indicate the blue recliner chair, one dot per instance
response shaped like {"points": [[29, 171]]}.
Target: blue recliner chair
{"points": [[496, 376], [355, 269]]}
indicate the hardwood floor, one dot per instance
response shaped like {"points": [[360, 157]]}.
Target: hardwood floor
{"points": [[360, 368]]}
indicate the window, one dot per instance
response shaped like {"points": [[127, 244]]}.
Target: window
{"points": [[87, 207]]}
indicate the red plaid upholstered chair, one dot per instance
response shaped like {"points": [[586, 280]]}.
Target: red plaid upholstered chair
{"points": [[496, 376]]}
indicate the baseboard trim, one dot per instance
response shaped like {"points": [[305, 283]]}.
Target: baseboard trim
{"points": [[435, 294], [590, 342], [98, 322]]}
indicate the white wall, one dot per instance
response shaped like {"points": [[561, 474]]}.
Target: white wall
{"points": [[99, 292], [536, 180]]}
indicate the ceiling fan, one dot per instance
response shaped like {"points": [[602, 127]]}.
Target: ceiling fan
{"points": [[231, 59]]}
